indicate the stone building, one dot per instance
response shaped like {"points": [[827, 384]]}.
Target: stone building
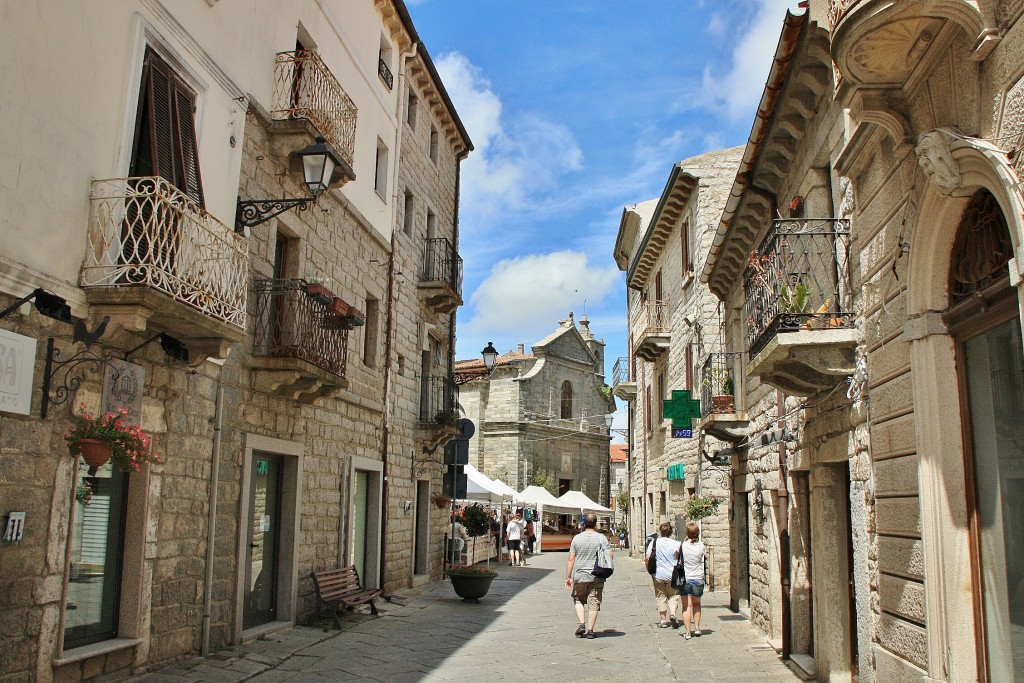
{"points": [[542, 414], [675, 345], [869, 262], [274, 349], [618, 477]]}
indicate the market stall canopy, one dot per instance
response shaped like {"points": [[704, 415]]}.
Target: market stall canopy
{"points": [[504, 488], [539, 496], [479, 487], [578, 501]]}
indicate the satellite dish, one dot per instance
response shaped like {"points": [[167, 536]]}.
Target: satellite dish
{"points": [[466, 428]]}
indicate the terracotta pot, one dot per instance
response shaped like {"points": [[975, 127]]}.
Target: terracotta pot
{"points": [[442, 501], [337, 307], [320, 293], [95, 453], [722, 404]]}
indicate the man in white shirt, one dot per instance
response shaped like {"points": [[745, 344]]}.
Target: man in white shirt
{"points": [[514, 534]]}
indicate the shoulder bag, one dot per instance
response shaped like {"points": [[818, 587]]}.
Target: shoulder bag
{"points": [[652, 561], [603, 563]]}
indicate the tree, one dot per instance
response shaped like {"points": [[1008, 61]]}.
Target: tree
{"points": [[545, 480], [623, 501]]}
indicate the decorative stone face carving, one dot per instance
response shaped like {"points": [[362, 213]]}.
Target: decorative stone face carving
{"points": [[937, 161]]}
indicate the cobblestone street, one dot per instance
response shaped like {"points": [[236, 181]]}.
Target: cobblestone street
{"points": [[523, 629]]}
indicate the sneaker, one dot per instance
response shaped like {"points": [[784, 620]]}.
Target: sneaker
{"points": [[686, 636], [591, 635], [581, 631], [697, 632], [672, 620]]}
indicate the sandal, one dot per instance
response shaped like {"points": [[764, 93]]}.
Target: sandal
{"points": [[664, 624]]}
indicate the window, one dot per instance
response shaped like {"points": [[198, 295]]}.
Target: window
{"points": [[411, 105], [689, 367], [165, 129], [647, 409], [380, 178], [684, 234], [384, 63], [370, 332], [433, 144], [408, 216], [657, 286], [431, 225], [566, 400], [661, 396]]}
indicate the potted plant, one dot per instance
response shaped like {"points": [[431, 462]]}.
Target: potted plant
{"points": [[355, 317], [470, 583], [476, 520], [448, 418], [99, 439], [442, 501], [83, 494], [699, 507], [794, 301], [318, 289]]}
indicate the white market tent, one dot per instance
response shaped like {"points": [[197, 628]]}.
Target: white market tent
{"points": [[480, 488], [539, 496], [505, 489], [579, 502]]}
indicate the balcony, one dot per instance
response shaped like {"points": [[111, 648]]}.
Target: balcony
{"points": [[440, 283], [623, 384], [157, 260], [720, 402], [306, 90], [300, 344], [384, 71], [654, 335], [438, 409], [799, 306]]}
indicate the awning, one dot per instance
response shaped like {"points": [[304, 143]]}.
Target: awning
{"points": [[578, 501]]}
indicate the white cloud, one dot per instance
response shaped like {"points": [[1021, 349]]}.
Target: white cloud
{"points": [[523, 298], [517, 159], [738, 90]]}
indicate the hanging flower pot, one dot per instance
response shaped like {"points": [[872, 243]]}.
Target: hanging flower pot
{"points": [[319, 292], [95, 452], [355, 317], [442, 501]]}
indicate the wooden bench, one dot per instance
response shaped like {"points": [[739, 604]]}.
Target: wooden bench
{"points": [[341, 587]]}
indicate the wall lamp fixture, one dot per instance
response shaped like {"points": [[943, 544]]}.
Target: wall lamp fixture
{"points": [[318, 163], [50, 305], [490, 355]]}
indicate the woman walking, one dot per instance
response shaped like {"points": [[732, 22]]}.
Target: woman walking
{"points": [[692, 550], [666, 554]]}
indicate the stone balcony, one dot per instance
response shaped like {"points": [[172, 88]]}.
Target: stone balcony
{"points": [[720, 402], [653, 336], [798, 306], [158, 262], [623, 384], [440, 284]]}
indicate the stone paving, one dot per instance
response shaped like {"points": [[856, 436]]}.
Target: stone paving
{"points": [[522, 629]]}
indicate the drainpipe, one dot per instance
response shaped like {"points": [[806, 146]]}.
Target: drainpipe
{"points": [[784, 559], [211, 523], [643, 440]]}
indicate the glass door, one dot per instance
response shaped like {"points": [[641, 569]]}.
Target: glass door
{"points": [[994, 365], [261, 566]]}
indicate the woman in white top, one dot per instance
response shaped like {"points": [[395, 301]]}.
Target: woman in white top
{"points": [[692, 550], [666, 553]]}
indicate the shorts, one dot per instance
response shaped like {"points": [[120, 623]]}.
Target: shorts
{"points": [[665, 595], [694, 587], [588, 593], [514, 545]]}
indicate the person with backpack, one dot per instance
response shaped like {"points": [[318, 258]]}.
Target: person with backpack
{"points": [[585, 588], [692, 551], [662, 554]]}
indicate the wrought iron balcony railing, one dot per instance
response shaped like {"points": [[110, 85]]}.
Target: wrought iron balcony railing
{"points": [[719, 376], [304, 88], [799, 279], [288, 323], [145, 232], [441, 263], [837, 9], [438, 398], [652, 317], [620, 371], [385, 73]]}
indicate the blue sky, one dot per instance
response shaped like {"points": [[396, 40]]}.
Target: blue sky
{"points": [[576, 109]]}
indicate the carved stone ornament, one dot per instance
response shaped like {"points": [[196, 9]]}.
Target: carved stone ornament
{"points": [[937, 161]]}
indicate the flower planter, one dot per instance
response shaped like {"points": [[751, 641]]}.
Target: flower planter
{"points": [[319, 293], [94, 452], [722, 404], [471, 587], [442, 501], [337, 307], [355, 317]]}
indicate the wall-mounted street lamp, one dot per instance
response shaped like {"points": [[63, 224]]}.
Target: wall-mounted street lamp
{"points": [[50, 305], [318, 163], [490, 355]]}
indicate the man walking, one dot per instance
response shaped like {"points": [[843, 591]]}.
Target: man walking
{"points": [[585, 588], [514, 534]]}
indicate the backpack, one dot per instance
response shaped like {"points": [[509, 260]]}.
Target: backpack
{"points": [[603, 563]]}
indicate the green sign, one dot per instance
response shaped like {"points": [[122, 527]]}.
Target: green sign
{"points": [[682, 410], [676, 472]]}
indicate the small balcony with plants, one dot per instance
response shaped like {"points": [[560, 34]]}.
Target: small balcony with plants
{"points": [[721, 404], [798, 306], [156, 261], [623, 382], [438, 409], [300, 338], [440, 284], [653, 334], [309, 102]]}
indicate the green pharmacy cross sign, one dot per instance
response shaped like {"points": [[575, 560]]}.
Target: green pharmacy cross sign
{"points": [[682, 410]]}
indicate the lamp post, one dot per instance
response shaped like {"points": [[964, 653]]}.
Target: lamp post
{"points": [[490, 355], [318, 163]]}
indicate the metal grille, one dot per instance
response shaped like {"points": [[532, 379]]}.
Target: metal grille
{"points": [[442, 264], [718, 378], [981, 249], [146, 232], [304, 88], [798, 279], [288, 323], [385, 73], [653, 317], [837, 9], [620, 372], [438, 397]]}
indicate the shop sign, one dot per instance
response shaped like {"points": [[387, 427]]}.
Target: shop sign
{"points": [[17, 363]]}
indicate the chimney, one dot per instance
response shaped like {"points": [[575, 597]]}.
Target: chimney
{"points": [[521, 348]]}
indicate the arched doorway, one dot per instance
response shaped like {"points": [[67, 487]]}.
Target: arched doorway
{"points": [[984, 320]]}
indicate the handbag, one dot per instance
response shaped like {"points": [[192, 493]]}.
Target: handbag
{"points": [[603, 563], [678, 572], [652, 561]]}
